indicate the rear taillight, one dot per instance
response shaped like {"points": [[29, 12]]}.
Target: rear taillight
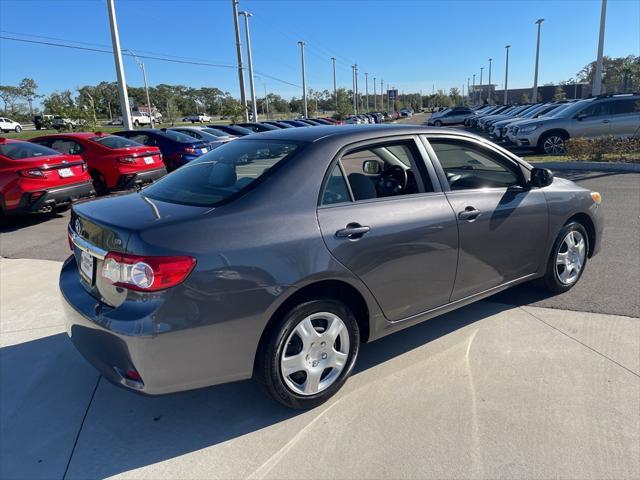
{"points": [[189, 150], [146, 274], [128, 160], [32, 173], [84, 167]]}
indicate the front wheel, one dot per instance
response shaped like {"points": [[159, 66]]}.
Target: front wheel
{"points": [[437, 123], [309, 354], [552, 143], [567, 260], [18, 129]]}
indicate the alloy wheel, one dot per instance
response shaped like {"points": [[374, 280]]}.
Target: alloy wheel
{"points": [[570, 257], [315, 353], [554, 145]]}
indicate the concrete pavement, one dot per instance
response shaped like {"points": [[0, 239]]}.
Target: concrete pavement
{"points": [[489, 391]]}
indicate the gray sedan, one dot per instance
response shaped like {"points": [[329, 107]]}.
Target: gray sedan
{"points": [[275, 255]]}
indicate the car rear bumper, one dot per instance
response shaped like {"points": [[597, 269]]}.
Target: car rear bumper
{"points": [[150, 334], [52, 198], [137, 179]]}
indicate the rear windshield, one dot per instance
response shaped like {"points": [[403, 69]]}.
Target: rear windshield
{"points": [[177, 136], [215, 131], [217, 176], [20, 150], [114, 141]]}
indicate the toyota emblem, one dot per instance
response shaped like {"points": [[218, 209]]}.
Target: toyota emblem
{"points": [[78, 226]]}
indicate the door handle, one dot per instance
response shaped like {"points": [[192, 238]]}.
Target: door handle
{"points": [[352, 231], [469, 214]]}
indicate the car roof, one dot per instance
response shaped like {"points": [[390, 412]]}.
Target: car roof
{"points": [[11, 140], [351, 132], [82, 135]]}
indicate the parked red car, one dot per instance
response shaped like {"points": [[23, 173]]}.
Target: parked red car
{"points": [[34, 178], [114, 162]]}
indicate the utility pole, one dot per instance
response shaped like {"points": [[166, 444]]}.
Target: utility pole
{"points": [[382, 94], [304, 80], [375, 95], [243, 97], [481, 69], [597, 77], [254, 103], [117, 57], [489, 95], [469, 89], [534, 94], [462, 97], [335, 87], [146, 87], [266, 99], [506, 75], [366, 91], [353, 88]]}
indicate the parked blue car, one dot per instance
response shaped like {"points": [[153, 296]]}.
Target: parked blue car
{"points": [[177, 148]]}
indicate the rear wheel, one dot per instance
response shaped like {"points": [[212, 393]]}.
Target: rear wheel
{"points": [[552, 143], [18, 129], [99, 183], [309, 354], [567, 260], [437, 123]]}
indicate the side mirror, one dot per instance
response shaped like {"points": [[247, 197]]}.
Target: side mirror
{"points": [[372, 167], [541, 177], [581, 116]]}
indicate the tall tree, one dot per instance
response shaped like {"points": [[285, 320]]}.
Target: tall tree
{"points": [[27, 89], [9, 95]]}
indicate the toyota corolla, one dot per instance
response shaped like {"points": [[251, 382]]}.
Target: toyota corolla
{"points": [[276, 255]]}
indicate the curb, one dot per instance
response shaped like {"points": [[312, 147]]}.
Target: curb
{"points": [[590, 166]]}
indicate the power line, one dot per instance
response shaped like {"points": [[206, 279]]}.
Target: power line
{"points": [[148, 57]]}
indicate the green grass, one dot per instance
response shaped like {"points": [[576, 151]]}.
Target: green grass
{"points": [[627, 157]]}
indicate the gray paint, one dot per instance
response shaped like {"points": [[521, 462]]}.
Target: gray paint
{"points": [[255, 252]]}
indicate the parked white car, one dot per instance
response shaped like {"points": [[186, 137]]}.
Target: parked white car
{"points": [[8, 125], [198, 117]]}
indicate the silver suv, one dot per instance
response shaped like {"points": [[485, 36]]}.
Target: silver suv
{"points": [[617, 115]]}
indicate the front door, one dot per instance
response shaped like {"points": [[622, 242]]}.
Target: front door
{"points": [[502, 224], [384, 217]]}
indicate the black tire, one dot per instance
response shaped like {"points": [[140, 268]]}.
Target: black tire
{"points": [[437, 123], [99, 183], [551, 281], [18, 129], [267, 368], [552, 143], [136, 123]]}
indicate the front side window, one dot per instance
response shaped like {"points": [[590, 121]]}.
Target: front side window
{"points": [[222, 173], [468, 166], [598, 109], [384, 170]]}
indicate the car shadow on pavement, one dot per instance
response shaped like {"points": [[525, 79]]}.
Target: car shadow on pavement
{"points": [[10, 223], [118, 430]]}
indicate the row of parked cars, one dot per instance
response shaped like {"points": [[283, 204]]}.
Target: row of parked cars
{"points": [[546, 127], [50, 172]]}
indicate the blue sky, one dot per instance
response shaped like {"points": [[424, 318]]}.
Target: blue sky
{"points": [[412, 44]]}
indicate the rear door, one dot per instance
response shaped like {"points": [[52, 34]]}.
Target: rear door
{"points": [[401, 242], [625, 117], [502, 224]]}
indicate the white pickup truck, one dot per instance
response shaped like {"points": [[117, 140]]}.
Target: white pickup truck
{"points": [[137, 118]]}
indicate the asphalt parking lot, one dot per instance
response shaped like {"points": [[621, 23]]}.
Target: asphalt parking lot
{"points": [[521, 385]]}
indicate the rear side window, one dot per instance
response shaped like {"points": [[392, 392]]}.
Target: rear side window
{"points": [[20, 150], [626, 106], [216, 177], [114, 141], [67, 146], [336, 190]]}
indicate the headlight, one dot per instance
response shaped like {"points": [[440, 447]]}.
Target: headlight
{"points": [[528, 129]]}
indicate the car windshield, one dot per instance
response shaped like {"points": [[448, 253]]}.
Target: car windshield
{"points": [[20, 150], [532, 112], [217, 176], [114, 141]]}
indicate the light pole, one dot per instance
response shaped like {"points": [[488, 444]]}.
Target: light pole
{"points": [[353, 88], [254, 103], [304, 80], [473, 85], [469, 89], [117, 57], [489, 95], [357, 99], [266, 99], [236, 24], [534, 94], [481, 69], [462, 96], [597, 77], [335, 88], [382, 94], [375, 95], [366, 91], [146, 87], [506, 74]]}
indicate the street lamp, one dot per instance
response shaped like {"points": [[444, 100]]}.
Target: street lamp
{"points": [[335, 88], [353, 88], [304, 80], [535, 75], [375, 95], [506, 74], [366, 90], [254, 104], [481, 69], [146, 87], [597, 77], [489, 94], [117, 56], [473, 85], [236, 26]]}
